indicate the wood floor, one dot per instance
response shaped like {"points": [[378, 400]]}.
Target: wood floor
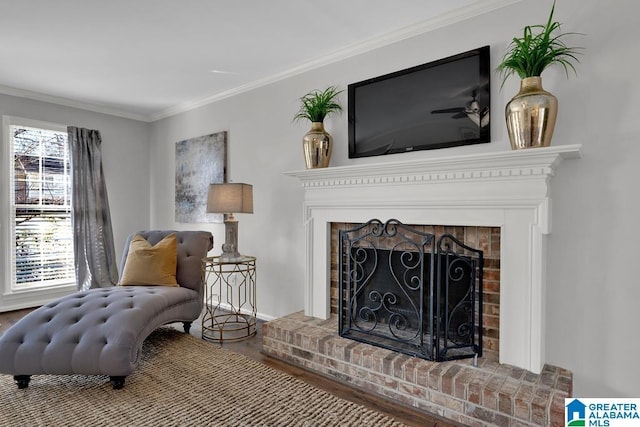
{"points": [[252, 347]]}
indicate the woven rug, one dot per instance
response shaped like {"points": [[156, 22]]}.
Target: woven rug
{"points": [[182, 381]]}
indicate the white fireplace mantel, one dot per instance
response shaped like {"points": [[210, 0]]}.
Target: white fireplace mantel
{"points": [[510, 190]]}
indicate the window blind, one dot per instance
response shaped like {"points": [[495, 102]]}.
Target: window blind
{"points": [[41, 205]]}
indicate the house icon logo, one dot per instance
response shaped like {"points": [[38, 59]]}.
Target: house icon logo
{"points": [[576, 415]]}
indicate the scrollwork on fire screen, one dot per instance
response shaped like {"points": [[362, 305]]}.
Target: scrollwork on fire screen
{"points": [[386, 280]]}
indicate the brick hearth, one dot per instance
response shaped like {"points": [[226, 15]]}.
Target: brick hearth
{"points": [[491, 394]]}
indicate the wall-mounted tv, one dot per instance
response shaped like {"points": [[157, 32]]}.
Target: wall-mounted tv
{"points": [[440, 104]]}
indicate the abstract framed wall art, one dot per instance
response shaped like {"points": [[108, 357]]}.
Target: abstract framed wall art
{"points": [[199, 162]]}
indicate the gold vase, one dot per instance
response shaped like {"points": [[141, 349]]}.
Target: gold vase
{"points": [[531, 115], [316, 146]]}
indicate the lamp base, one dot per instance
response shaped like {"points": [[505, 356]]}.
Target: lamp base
{"points": [[230, 259], [230, 256], [230, 246]]}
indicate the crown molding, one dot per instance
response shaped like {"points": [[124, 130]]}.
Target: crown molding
{"points": [[458, 15], [37, 96]]}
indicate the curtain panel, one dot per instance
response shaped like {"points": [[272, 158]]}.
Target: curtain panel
{"points": [[95, 259]]}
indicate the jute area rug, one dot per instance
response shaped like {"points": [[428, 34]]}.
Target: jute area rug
{"points": [[182, 381]]}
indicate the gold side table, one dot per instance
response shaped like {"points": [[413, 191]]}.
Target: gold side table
{"points": [[230, 299]]}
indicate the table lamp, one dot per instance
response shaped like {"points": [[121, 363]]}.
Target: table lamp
{"points": [[230, 198]]}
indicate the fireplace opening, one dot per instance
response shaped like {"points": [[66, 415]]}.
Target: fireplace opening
{"points": [[410, 291]]}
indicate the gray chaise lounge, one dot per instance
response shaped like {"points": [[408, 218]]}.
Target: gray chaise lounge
{"points": [[101, 331]]}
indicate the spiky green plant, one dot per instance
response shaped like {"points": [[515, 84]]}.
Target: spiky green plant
{"points": [[316, 105], [537, 49]]}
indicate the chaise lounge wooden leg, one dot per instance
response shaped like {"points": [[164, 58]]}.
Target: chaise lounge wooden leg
{"points": [[117, 382], [187, 327], [22, 380]]}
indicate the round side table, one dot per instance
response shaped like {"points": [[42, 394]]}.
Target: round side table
{"points": [[230, 299]]}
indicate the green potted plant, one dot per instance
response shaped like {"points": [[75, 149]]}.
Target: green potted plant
{"points": [[531, 114], [315, 106]]}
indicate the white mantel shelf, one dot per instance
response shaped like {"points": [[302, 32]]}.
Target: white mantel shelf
{"points": [[472, 166], [509, 189]]}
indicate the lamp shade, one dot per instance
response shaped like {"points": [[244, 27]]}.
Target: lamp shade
{"points": [[230, 198]]}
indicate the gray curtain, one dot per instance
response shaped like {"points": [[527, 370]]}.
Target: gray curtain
{"points": [[95, 257]]}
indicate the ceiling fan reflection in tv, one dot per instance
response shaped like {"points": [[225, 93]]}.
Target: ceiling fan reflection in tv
{"points": [[471, 111]]}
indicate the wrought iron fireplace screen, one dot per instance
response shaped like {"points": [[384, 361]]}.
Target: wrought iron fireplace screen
{"points": [[407, 291]]}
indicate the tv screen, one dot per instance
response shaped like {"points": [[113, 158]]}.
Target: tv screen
{"points": [[440, 104]]}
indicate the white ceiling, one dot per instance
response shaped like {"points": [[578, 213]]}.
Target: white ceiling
{"points": [[147, 59]]}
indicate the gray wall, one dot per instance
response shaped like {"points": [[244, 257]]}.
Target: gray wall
{"points": [[593, 293]]}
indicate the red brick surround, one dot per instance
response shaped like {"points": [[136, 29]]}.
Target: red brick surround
{"points": [[491, 394]]}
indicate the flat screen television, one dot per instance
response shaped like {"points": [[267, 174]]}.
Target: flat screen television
{"points": [[439, 104]]}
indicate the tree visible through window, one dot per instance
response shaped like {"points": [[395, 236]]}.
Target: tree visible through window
{"points": [[41, 207]]}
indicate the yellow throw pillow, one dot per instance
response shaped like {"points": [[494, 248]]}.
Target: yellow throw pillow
{"points": [[151, 265]]}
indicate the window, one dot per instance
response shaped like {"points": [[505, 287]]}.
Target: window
{"points": [[40, 230]]}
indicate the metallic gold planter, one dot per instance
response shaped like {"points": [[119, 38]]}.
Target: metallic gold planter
{"points": [[316, 146], [531, 115]]}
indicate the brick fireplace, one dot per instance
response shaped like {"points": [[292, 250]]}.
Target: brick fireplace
{"points": [[506, 191]]}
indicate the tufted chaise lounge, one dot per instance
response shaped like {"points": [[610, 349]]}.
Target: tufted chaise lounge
{"points": [[101, 331]]}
